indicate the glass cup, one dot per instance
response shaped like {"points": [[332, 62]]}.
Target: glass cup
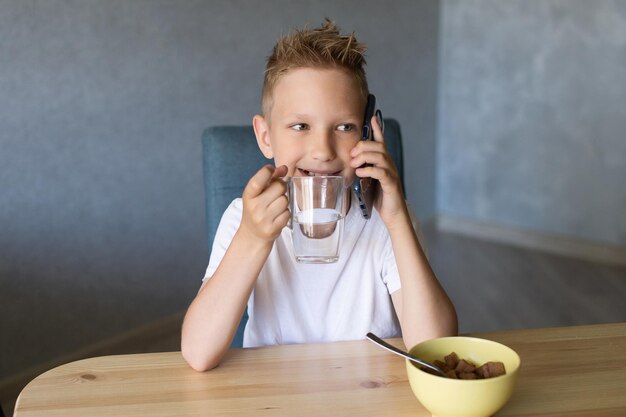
{"points": [[317, 216]]}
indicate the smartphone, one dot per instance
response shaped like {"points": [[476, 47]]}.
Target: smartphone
{"points": [[365, 188]]}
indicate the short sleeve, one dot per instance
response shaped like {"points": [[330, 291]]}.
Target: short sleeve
{"points": [[229, 223]]}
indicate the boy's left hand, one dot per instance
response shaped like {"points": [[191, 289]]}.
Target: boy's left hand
{"points": [[390, 200]]}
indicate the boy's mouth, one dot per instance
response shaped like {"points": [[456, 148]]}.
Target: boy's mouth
{"points": [[311, 173]]}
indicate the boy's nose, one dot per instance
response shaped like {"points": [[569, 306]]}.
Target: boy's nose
{"points": [[322, 147]]}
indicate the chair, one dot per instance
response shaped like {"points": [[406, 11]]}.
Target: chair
{"points": [[230, 157]]}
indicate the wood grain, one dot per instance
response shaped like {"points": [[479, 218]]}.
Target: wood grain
{"points": [[565, 371]]}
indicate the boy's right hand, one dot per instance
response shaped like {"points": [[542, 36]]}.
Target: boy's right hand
{"points": [[265, 205]]}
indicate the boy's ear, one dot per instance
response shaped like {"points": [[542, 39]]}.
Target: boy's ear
{"points": [[262, 132]]}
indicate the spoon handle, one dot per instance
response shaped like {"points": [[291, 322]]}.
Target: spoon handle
{"points": [[380, 342]]}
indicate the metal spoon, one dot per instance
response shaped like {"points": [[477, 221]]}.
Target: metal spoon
{"points": [[380, 342]]}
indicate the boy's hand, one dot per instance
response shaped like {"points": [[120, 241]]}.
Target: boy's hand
{"points": [[390, 200], [265, 205]]}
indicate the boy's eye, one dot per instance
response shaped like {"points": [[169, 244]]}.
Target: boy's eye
{"points": [[300, 126], [347, 127]]}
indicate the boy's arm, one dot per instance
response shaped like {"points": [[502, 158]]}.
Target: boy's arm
{"points": [[422, 306], [213, 316]]}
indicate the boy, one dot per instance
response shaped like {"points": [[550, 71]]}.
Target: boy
{"points": [[314, 97]]}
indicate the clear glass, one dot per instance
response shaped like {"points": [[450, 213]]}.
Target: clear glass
{"points": [[317, 217]]}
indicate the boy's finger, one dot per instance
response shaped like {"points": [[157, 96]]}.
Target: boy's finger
{"points": [[277, 207], [275, 189], [281, 171], [378, 131], [383, 175], [367, 146], [282, 219], [372, 158], [259, 181]]}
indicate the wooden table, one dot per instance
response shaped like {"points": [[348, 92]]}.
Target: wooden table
{"points": [[573, 371]]}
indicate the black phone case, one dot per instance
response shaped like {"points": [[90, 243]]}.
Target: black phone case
{"points": [[364, 188]]}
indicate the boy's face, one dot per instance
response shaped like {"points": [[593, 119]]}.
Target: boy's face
{"points": [[315, 120]]}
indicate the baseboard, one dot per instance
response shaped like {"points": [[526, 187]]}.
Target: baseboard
{"points": [[131, 341], [556, 244]]}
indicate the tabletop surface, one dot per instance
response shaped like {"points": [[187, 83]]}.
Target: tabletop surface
{"points": [[573, 371]]}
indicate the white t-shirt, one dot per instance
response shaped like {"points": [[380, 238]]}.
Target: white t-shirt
{"points": [[309, 303]]}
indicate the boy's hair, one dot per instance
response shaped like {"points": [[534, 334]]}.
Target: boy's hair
{"points": [[322, 48]]}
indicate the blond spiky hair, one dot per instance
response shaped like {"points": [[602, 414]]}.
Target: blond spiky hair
{"points": [[322, 48]]}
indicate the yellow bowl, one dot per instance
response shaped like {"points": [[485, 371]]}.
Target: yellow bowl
{"points": [[445, 397]]}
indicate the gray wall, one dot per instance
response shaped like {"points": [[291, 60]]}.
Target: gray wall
{"points": [[532, 126], [102, 223]]}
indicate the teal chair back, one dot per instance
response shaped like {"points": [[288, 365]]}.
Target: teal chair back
{"points": [[230, 157]]}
